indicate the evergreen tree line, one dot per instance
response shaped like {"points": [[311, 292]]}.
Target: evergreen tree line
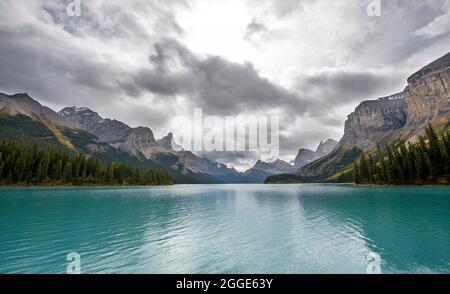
{"points": [[22, 164], [425, 162]]}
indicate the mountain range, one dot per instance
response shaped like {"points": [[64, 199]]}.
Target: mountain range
{"points": [[83, 130], [404, 115], [401, 116]]}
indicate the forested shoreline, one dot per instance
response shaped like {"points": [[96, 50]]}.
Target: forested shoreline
{"points": [[22, 164], [425, 162]]}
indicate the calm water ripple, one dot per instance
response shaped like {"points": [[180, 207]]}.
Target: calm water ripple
{"points": [[225, 229]]}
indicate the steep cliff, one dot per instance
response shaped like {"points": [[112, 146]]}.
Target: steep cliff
{"points": [[372, 121], [325, 148], [303, 157], [427, 96], [426, 100], [107, 130]]}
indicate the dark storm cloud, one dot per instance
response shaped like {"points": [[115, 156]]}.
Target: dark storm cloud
{"points": [[65, 60], [116, 19], [219, 86], [48, 55], [40, 63], [339, 87]]}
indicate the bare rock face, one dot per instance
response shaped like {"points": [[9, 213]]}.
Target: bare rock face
{"points": [[374, 120], [25, 105], [141, 140], [304, 157], [262, 170], [426, 100], [134, 141], [169, 143], [325, 148], [277, 167], [107, 130], [428, 95]]}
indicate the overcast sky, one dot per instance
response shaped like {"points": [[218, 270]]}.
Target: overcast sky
{"points": [[144, 62]]}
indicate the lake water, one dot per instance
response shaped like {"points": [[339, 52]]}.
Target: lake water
{"points": [[226, 229]]}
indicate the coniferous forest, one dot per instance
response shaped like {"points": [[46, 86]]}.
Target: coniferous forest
{"points": [[425, 162], [22, 164]]}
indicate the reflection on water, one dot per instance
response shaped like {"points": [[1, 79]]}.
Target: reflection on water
{"points": [[225, 229]]}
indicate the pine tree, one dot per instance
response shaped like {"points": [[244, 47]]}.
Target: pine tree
{"points": [[24, 164]]}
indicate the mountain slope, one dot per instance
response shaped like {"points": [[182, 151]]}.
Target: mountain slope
{"points": [[24, 120], [262, 170], [405, 115], [140, 142], [304, 157]]}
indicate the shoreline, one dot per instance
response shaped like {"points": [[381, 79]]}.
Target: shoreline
{"points": [[224, 184]]}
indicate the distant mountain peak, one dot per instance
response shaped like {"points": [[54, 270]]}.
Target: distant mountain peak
{"points": [[325, 147], [439, 64], [23, 104], [169, 143], [107, 130], [74, 110]]}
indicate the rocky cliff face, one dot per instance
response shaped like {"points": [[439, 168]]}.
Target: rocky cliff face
{"points": [[325, 148], [427, 95], [107, 130], [426, 100], [134, 141], [262, 170], [303, 157], [25, 105], [374, 120], [140, 142], [169, 143], [306, 156]]}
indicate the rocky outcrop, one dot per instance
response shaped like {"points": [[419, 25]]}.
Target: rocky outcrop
{"points": [[262, 170], [427, 95], [306, 156], [303, 157], [134, 141], [426, 100], [325, 148], [374, 120], [107, 130], [25, 105], [140, 142], [169, 143]]}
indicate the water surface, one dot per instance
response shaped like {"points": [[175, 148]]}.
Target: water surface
{"points": [[226, 229]]}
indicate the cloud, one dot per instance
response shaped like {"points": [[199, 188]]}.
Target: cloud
{"points": [[311, 62], [254, 31], [338, 87], [438, 27], [213, 83]]}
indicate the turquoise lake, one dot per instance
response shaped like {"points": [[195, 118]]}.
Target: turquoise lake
{"points": [[309, 228]]}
